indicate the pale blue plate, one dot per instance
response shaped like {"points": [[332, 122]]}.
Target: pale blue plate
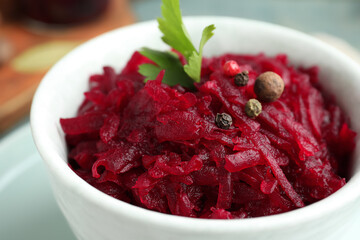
{"points": [[28, 210]]}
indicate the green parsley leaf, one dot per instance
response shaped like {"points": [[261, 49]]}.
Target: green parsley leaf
{"points": [[193, 68], [174, 71], [173, 28], [177, 37], [150, 71], [206, 35]]}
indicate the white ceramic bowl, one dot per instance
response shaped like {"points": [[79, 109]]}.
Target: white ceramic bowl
{"points": [[94, 215]]}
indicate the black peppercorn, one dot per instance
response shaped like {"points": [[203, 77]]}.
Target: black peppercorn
{"points": [[223, 120], [241, 79]]}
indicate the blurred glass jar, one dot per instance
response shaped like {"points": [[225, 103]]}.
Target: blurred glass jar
{"points": [[63, 11]]}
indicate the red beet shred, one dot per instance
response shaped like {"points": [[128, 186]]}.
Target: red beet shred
{"points": [[158, 147]]}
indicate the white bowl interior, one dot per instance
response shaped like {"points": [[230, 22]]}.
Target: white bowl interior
{"points": [[60, 94]]}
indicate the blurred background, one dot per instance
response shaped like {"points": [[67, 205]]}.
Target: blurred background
{"points": [[35, 34]]}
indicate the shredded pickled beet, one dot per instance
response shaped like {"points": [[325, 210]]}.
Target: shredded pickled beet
{"points": [[158, 147]]}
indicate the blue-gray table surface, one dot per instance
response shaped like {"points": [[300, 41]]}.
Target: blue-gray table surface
{"points": [[340, 18]]}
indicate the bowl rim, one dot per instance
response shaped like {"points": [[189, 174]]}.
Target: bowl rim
{"points": [[58, 167]]}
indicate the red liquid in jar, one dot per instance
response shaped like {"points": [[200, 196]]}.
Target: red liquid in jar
{"points": [[63, 11]]}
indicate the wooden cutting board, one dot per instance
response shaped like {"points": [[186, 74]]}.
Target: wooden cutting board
{"points": [[31, 44]]}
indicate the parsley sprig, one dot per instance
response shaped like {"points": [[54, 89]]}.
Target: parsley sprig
{"points": [[177, 37]]}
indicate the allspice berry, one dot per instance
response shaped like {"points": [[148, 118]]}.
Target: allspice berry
{"points": [[268, 87], [223, 120], [253, 108], [241, 79]]}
